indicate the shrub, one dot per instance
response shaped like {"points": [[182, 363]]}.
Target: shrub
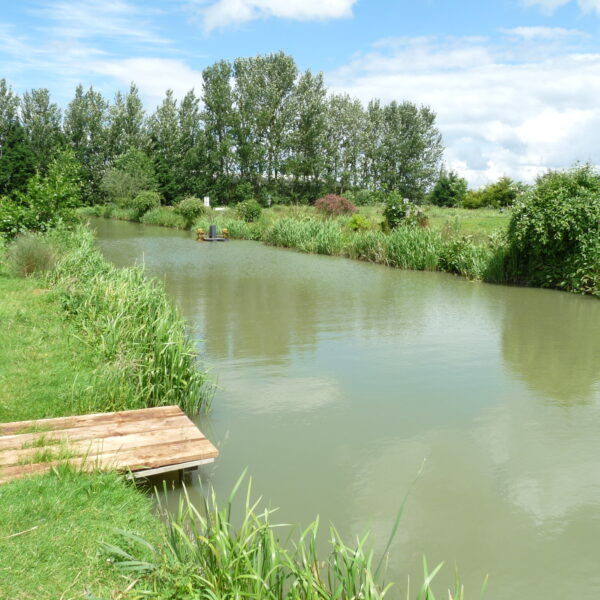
{"points": [[502, 193], [163, 216], [30, 254], [359, 223], [47, 201], [190, 209], [249, 211], [401, 211], [142, 203], [131, 174], [554, 231], [449, 190], [365, 197], [332, 205]]}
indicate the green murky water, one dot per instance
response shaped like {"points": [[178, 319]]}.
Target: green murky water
{"points": [[339, 379]]}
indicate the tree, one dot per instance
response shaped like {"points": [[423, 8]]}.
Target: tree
{"points": [[309, 135], [218, 119], [86, 129], [42, 124], [164, 135], [449, 189], [17, 161], [411, 150], [346, 123], [131, 173], [263, 92], [127, 123], [47, 200]]}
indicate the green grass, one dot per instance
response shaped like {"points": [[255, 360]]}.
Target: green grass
{"points": [[45, 369], [202, 554], [51, 532]]}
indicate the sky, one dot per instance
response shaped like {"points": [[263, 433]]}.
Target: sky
{"points": [[515, 83]]}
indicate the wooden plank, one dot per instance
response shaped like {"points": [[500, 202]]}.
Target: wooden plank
{"points": [[155, 456], [96, 431], [95, 446], [170, 468], [92, 419], [151, 440]]}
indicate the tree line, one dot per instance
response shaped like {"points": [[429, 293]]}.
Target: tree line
{"points": [[260, 129]]}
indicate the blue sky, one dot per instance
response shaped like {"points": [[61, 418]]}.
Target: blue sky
{"points": [[515, 83]]}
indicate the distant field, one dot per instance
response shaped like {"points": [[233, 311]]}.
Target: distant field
{"points": [[483, 221]]}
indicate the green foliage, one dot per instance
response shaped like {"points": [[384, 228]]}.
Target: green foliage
{"points": [[501, 194], [148, 359], [190, 209], [203, 555], [30, 254], [400, 211], [449, 190], [554, 231], [249, 211], [359, 223], [47, 201], [364, 197], [164, 216], [142, 203], [17, 161], [131, 174]]}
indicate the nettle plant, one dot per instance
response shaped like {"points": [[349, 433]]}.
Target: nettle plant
{"points": [[401, 211]]}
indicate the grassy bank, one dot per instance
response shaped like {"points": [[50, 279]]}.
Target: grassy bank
{"points": [[81, 336]]}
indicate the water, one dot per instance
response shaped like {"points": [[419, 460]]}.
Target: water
{"points": [[341, 380]]}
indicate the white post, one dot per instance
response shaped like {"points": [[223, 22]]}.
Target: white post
{"points": [[207, 201]]}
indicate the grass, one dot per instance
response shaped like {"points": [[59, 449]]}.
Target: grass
{"points": [[147, 356], [86, 336], [45, 368], [51, 532], [203, 555]]}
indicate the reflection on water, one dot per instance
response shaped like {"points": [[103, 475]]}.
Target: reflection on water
{"points": [[338, 379]]}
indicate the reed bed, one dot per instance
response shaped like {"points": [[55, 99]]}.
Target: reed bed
{"points": [[149, 359], [204, 555]]}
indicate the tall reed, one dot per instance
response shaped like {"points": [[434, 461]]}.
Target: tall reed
{"points": [[204, 555], [149, 360]]}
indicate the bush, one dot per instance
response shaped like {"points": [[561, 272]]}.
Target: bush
{"points": [[502, 193], [332, 205], [554, 231], [30, 254], [249, 211], [190, 209], [47, 201], [131, 174], [401, 211], [359, 223], [365, 197], [163, 216], [449, 190], [142, 203]]}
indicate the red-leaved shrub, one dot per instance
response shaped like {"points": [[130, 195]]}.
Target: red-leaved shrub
{"points": [[332, 205]]}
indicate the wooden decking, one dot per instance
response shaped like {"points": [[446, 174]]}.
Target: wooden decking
{"points": [[144, 442]]}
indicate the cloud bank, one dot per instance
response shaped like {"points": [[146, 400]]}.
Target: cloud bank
{"points": [[224, 13], [502, 109]]}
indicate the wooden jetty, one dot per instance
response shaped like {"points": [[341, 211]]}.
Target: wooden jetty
{"points": [[142, 442]]}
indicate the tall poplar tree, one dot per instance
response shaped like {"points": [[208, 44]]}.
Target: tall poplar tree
{"points": [[86, 129], [42, 121], [127, 123]]}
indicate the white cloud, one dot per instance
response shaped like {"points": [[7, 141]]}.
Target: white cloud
{"points": [[500, 110], [549, 6], [99, 18], [153, 76], [544, 33], [222, 13]]}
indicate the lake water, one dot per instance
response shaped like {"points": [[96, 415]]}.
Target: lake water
{"points": [[339, 381]]}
